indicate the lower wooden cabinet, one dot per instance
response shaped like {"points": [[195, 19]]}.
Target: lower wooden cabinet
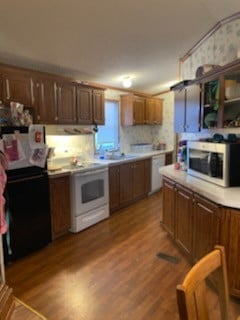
{"points": [[128, 182], [168, 212], [60, 205], [206, 227], [184, 219], [197, 224], [233, 252]]}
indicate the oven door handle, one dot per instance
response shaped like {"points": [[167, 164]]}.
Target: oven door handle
{"points": [[89, 172], [26, 179]]}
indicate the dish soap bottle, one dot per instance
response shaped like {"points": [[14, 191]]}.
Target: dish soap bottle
{"points": [[101, 152]]}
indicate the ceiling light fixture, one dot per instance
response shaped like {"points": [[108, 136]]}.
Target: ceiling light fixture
{"points": [[126, 82]]}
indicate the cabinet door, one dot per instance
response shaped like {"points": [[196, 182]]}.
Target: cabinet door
{"points": [[206, 223], [138, 179], [168, 205], [46, 103], [60, 205], [147, 173], [184, 219], [169, 158], [18, 87], [126, 183], [153, 111], [1, 89], [192, 123], [138, 110], [179, 110], [66, 102], [234, 254], [114, 187], [84, 105], [98, 107]]}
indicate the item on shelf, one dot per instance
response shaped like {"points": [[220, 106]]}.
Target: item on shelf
{"points": [[5, 115], [20, 115], [210, 120], [232, 89], [202, 70]]}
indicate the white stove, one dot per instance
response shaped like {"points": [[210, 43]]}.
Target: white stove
{"points": [[89, 195]]}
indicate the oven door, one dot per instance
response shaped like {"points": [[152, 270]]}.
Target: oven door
{"points": [[89, 190]]}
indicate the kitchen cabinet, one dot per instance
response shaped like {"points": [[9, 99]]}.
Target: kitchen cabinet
{"points": [[153, 111], [114, 187], [128, 182], [46, 104], [168, 158], [18, 87], [147, 178], [132, 110], [52, 99], [187, 215], [136, 110], [221, 97], [66, 102], [60, 205], [98, 107], [233, 252], [90, 106], [1, 88], [206, 226], [168, 212], [184, 219], [192, 220], [186, 107]]}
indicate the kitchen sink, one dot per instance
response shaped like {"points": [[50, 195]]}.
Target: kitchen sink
{"points": [[120, 157]]}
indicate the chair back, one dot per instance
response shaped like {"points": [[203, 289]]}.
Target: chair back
{"points": [[191, 294]]}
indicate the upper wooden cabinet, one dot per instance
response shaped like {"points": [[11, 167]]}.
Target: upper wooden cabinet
{"points": [[1, 88], [221, 97], [66, 102], [90, 106], [137, 110], [98, 107], [186, 107], [46, 104], [153, 111], [54, 99], [132, 110], [18, 87]]}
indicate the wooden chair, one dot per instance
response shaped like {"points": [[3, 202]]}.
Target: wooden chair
{"points": [[191, 294]]}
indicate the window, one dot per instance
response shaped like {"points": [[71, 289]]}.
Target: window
{"points": [[107, 136]]}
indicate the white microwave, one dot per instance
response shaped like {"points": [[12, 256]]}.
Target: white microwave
{"points": [[214, 162]]}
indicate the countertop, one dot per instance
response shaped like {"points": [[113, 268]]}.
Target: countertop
{"points": [[229, 197], [66, 169]]}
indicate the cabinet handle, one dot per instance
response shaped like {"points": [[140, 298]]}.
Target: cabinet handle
{"points": [[42, 91], [56, 118], [55, 91], [38, 117], [8, 89], [32, 95]]}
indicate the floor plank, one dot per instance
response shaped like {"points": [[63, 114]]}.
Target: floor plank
{"points": [[109, 271]]}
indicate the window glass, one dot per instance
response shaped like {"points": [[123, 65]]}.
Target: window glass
{"points": [[107, 136]]}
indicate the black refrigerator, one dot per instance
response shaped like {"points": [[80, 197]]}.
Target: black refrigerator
{"points": [[27, 191]]}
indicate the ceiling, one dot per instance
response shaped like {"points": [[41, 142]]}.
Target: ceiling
{"points": [[101, 41]]}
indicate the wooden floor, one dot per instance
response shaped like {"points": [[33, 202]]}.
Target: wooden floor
{"points": [[109, 271]]}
